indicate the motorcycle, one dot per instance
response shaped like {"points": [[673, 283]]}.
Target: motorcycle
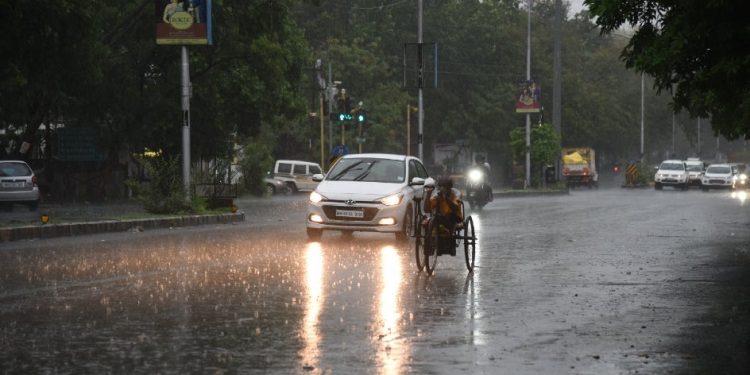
{"points": [[478, 191]]}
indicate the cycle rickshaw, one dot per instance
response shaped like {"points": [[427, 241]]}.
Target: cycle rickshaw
{"points": [[433, 238]]}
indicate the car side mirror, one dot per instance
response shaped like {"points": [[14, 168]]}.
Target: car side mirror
{"points": [[416, 181], [317, 177]]}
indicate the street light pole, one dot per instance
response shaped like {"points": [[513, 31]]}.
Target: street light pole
{"points": [[185, 78], [642, 112], [528, 78], [419, 80]]}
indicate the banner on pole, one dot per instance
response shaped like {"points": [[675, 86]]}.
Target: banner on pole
{"points": [[529, 97], [183, 22]]}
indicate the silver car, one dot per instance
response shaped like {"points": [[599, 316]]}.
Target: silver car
{"points": [[18, 184], [367, 193]]}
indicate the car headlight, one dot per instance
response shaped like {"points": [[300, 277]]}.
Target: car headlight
{"points": [[391, 200], [315, 197], [743, 177], [475, 175]]}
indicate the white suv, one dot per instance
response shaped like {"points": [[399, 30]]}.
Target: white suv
{"points": [[695, 168], [671, 173], [297, 174]]}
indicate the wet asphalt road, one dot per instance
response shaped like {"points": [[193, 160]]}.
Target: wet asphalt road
{"points": [[608, 281]]}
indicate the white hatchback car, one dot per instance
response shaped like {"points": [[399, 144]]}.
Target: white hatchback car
{"points": [[671, 173], [18, 184], [718, 176], [367, 192]]}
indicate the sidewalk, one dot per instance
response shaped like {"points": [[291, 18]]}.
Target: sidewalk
{"points": [[85, 218]]}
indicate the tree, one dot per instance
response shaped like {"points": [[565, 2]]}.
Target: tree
{"points": [[695, 50], [545, 147]]}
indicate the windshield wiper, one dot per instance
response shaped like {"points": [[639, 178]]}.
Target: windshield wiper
{"points": [[343, 172], [365, 173]]}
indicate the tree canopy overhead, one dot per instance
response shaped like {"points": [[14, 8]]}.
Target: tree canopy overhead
{"points": [[697, 50]]}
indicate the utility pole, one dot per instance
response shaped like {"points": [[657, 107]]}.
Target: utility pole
{"points": [[321, 83], [528, 78], [699, 136], [331, 93], [420, 138], [674, 152], [185, 78], [642, 112], [409, 110], [557, 84]]}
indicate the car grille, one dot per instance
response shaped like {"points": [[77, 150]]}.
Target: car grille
{"points": [[368, 212], [717, 181]]}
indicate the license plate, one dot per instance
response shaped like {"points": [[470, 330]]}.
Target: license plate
{"points": [[350, 213], [12, 184]]}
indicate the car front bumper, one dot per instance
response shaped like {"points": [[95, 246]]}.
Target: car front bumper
{"points": [[372, 214], [670, 180]]}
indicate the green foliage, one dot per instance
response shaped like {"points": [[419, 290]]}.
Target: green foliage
{"points": [[255, 161], [163, 192], [545, 144], [545, 148], [695, 50]]}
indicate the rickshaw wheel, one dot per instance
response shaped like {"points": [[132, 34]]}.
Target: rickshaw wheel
{"points": [[469, 243], [418, 241], [432, 237]]}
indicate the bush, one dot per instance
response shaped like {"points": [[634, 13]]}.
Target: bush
{"points": [[255, 161], [162, 192]]}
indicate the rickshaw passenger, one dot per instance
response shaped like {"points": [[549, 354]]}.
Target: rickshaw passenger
{"points": [[447, 203]]}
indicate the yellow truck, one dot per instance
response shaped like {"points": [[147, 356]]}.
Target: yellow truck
{"points": [[579, 167]]}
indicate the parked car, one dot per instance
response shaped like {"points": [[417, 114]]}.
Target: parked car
{"points": [[367, 192], [671, 173], [718, 176], [695, 167], [18, 184], [297, 174], [275, 186]]}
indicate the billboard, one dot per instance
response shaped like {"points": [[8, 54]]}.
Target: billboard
{"points": [[183, 22], [529, 97]]}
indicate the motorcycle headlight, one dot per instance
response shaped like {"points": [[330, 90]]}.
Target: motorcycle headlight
{"points": [[743, 177], [315, 197], [475, 175], [391, 200]]}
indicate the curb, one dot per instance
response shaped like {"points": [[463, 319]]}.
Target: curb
{"points": [[521, 193], [105, 226]]}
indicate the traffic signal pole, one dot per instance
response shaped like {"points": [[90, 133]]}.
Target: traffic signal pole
{"points": [[322, 138]]}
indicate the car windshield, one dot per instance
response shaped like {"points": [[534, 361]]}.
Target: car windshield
{"points": [[368, 170], [718, 170], [14, 169], [694, 168], [671, 167]]}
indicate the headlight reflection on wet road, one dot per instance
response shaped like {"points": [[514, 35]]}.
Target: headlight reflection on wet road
{"points": [[740, 196], [472, 288], [314, 302], [392, 354]]}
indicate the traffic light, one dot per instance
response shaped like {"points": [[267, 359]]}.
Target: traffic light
{"points": [[341, 116], [361, 116]]}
